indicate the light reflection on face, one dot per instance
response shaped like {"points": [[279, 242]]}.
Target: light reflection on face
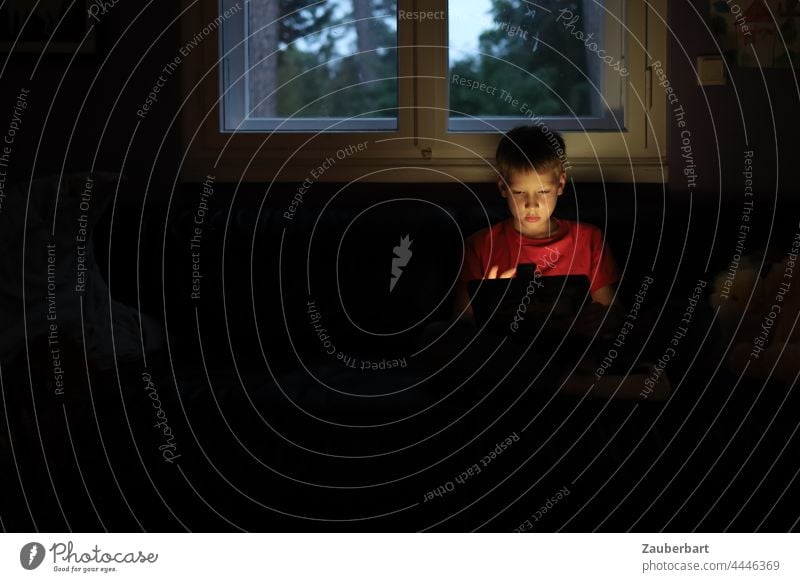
{"points": [[532, 198]]}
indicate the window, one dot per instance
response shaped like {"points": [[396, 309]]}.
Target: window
{"points": [[536, 61], [425, 88], [311, 66]]}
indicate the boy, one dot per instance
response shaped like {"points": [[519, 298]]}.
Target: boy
{"points": [[531, 177]]}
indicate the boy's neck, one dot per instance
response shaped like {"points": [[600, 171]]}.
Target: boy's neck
{"points": [[550, 229]]}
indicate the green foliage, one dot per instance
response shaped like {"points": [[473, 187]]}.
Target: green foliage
{"points": [[335, 85], [547, 82], [320, 65], [300, 21]]}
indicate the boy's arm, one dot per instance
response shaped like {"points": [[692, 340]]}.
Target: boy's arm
{"points": [[470, 269], [604, 296], [603, 312], [461, 307], [604, 269]]}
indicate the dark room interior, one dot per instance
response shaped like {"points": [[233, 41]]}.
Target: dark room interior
{"points": [[249, 328]]}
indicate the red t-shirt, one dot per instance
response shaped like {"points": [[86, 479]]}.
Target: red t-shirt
{"points": [[576, 249]]}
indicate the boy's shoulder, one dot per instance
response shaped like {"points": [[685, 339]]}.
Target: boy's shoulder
{"points": [[584, 227], [480, 237]]}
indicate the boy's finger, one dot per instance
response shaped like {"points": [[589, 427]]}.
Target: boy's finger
{"points": [[492, 274], [508, 274]]}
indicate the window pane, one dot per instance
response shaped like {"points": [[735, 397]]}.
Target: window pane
{"points": [[316, 62], [520, 59]]}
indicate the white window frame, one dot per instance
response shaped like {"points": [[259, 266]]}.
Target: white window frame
{"points": [[422, 149]]}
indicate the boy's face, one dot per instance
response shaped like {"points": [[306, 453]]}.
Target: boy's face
{"points": [[531, 198]]}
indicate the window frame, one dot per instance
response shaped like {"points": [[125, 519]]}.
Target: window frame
{"points": [[422, 149]]}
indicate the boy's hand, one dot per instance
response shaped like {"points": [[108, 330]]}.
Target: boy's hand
{"points": [[492, 274]]}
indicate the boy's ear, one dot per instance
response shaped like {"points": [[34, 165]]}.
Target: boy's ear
{"points": [[501, 186], [562, 182]]}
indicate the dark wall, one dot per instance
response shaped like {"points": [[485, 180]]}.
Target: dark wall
{"points": [[756, 110], [114, 84]]}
